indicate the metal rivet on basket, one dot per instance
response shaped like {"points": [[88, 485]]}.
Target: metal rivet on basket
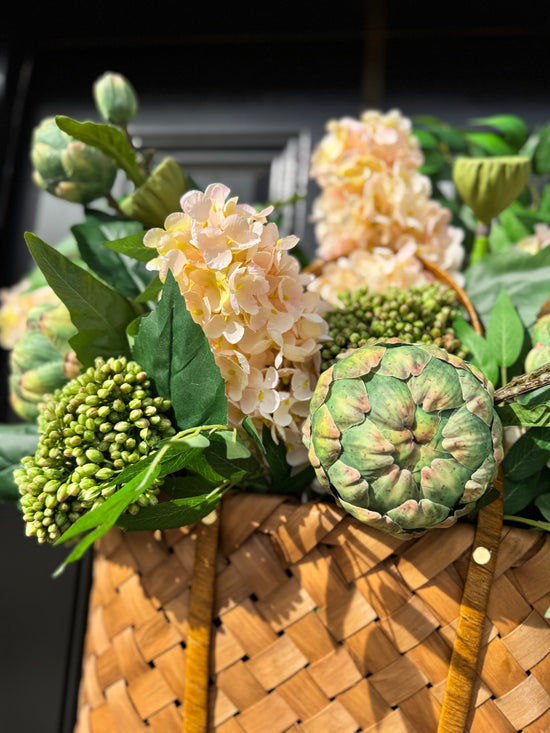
{"points": [[481, 555]]}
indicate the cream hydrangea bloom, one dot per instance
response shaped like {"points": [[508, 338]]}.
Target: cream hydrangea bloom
{"points": [[246, 291], [373, 195]]}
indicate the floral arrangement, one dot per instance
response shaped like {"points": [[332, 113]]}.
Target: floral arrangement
{"points": [[174, 348]]}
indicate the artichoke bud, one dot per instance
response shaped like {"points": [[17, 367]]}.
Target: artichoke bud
{"points": [[541, 330], [115, 98], [489, 185], [405, 436], [537, 357], [159, 196], [68, 168], [37, 360]]}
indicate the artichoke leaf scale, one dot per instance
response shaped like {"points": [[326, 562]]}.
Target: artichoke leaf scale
{"points": [[366, 449], [437, 387], [393, 486], [348, 403], [466, 438], [403, 362], [392, 405]]}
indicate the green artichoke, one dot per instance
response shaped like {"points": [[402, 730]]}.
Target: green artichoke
{"points": [[40, 362], [97, 424], [405, 436], [68, 168]]}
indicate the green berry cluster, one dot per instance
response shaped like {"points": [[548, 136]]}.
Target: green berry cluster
{"points": [[90, 429], [422, 314]]}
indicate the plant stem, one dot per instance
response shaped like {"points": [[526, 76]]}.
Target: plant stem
{"points": [[523, 383], [544, 526]]}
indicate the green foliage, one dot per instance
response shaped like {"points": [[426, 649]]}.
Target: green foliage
{"points": [[183, 369], [100, 313], [110, 140], [16, 441]]}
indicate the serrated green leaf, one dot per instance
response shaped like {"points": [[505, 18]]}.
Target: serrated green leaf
{"points": [[174, 351], [100, 313], [110, 140], [537, 397], [171, 514], [513, 129], [250, 429], [505, 331]]}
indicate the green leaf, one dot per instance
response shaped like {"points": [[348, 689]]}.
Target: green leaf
{"points": [[540, 396], [541, 154], [513, 129], [499, 240], [482, 355], [174, 351], [250, 429], [128, 276], [182, 487], [132, 246], [542, 503], [100, 314], [513, 226], [276, 458], [151, 292], [16, 441], [490, 143], [171, 514], [525, 278], [519, 494], [517, 414], [110, 140], [426, 139], [505, 331], [527, 455]]}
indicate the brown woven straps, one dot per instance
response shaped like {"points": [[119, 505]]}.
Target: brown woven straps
{"points": [[195, 701]]}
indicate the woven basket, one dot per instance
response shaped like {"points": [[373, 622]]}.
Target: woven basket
{"points": [[322, 625]]}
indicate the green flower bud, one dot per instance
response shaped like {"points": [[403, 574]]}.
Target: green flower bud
{"points": [[159, 196], [489, 185], [68, 168], [115, 98]]}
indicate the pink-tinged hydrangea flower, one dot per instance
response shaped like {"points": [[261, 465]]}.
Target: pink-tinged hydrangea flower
{"points": [[373, 195], [378, 270], [247, 292]]}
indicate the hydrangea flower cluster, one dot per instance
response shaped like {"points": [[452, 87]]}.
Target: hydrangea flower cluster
{"points": [[248, 294], [374, 200]]}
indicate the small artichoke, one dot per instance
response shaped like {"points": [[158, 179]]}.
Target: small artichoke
{"points": [[405, 436], [97, 424], [68, 168], [41, 360]]}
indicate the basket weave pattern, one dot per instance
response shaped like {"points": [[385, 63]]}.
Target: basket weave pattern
{"points": [[321, 625]]}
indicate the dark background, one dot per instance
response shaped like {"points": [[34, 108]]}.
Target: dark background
{"points": [[241, 75]]}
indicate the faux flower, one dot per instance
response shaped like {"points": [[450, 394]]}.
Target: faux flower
{"points": [[248, 294], [373, 195], [536, 241], [15, 304]]}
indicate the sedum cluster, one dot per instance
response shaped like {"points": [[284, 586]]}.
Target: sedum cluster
{"points": [[422, 314], [375, 201], [248, 294], [97, 424]]}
